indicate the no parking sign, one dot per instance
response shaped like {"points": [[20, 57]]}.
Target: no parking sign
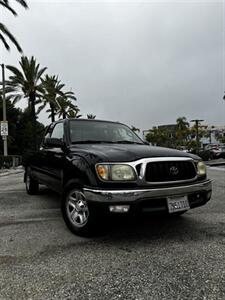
{"points": [[4, 128]]}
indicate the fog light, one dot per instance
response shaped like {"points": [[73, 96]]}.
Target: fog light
{"points": [[119, 208]]}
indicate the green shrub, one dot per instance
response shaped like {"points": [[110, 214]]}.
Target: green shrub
{"points": [[205, 155]]}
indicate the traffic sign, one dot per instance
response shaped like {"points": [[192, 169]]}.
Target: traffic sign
{"points": [[4, 128]]}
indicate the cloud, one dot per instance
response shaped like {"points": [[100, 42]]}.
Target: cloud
{"points": [[143, 63]]}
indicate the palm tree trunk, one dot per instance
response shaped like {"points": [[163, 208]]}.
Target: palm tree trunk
{"points": [[33, 119], [52, 112], [64, 114]]}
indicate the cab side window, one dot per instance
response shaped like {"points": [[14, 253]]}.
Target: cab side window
{"points": [[58, 131]]}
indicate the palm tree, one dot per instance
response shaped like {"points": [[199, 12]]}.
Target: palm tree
{"points": [[182, 130], [90, 116], [74, 113], [26, 83], [52, 88], [4, 32], [157, 137], [66, 109]]}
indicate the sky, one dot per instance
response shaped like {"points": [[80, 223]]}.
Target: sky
{"points": [[143, 63]]}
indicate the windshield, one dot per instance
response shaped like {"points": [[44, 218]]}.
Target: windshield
{"points": [[101, 132]]}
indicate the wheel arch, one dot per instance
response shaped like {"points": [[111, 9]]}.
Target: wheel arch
{"points": [[77, 173]]}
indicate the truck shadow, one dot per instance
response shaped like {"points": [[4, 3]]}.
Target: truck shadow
{"points": [[150, 230], [147, 227]]}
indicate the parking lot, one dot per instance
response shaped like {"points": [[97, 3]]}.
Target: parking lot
{"points": [[147, 258]]}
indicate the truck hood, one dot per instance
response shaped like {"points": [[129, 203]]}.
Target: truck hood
{"points": [[94, 153]]}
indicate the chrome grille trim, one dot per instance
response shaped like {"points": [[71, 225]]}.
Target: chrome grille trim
{"points": [[144, 161]]}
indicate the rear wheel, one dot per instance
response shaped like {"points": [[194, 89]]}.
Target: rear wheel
{"points": [[32, 185], [76, 213]]}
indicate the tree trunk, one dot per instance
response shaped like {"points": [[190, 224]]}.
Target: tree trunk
{"points": [[64, 115], [33, 119], [52, 112]]}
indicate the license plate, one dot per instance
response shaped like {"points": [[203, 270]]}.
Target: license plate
{"points": [[177, 204]]}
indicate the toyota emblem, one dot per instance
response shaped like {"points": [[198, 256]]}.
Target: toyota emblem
{"points": [[174, 170]]}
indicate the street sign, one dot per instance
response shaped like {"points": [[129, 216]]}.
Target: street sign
{"points": [[4, 128]]}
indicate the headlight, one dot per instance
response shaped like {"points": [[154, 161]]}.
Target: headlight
{"points": [[201, 168], [122, 172], [115, 172]]}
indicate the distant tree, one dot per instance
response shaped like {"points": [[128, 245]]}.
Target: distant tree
{"points": [[66, 109], [13, 115], [201, 133], [157, 137], [20, 129], [182, 131], [73, 113], [51, 89], [24, 132], [4, 32], [192, 145], [26, 83], [90, 116]]}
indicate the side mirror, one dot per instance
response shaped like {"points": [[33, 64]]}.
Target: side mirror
{"points": [[53, 142]]}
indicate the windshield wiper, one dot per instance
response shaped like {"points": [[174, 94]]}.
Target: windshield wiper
{"points": [[90, 142], [127, 142]]}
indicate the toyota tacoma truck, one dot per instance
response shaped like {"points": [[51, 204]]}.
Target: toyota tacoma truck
{"points": [[102, 167]]}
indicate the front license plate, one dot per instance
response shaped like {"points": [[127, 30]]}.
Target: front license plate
{"points": [[177, 204]]}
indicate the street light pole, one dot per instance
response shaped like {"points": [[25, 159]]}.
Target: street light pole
{"points": [[197, 121], [4, 137]]}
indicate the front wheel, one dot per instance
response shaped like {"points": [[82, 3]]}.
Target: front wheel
{"points": [[76, 212]]}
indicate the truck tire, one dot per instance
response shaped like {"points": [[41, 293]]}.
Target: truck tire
{"points": [[32, 185], [77, 214]]}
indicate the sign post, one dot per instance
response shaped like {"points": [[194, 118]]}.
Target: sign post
{"points": [[4, 127]]}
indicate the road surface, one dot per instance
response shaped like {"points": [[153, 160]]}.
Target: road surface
{"points": [[149, 258]]}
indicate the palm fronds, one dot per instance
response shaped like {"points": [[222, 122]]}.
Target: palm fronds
{"points": [[4, 32]]}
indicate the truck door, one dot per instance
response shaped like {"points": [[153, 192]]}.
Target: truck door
{"points": [[53, 157]]}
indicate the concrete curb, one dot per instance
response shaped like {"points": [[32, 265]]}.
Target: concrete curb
{"points": [[215, 163], [11, 172]]}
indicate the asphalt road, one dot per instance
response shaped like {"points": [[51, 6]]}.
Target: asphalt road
{"points": [[151, 258]]}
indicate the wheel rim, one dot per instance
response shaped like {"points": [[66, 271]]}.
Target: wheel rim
{"points": [[77, 209]]}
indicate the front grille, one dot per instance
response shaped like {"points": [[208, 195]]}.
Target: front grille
{"points": [[166, 171]]}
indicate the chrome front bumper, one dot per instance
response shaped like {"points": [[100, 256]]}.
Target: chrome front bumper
{"points": [[132, 195]]}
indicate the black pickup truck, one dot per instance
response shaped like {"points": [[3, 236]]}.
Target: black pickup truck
{"points": [[102, 167]]}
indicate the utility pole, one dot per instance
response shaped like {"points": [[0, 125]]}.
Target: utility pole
{"points": [[197, 121], [4, 132]]}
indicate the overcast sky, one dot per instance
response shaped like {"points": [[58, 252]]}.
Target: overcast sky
{"points": [[143, 63]]}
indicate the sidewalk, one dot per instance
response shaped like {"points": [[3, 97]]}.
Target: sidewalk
{"points": [[215, 162], [6, 172]]}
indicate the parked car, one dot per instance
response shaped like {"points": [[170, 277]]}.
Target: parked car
{"points": [[217, 150], [221, 153], [102, 167]]}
